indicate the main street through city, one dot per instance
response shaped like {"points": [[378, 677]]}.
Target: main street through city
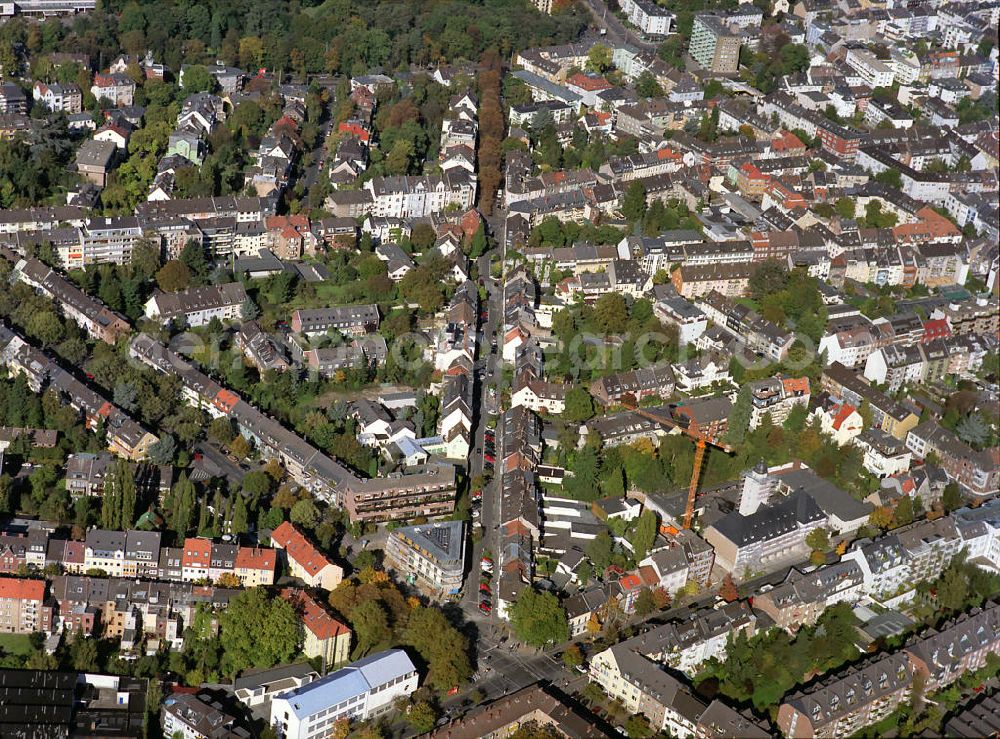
{"points": [[503, 664]]}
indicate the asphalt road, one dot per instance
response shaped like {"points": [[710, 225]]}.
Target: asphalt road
{"points": [[319, 154], [488, 369], [219, 465], [617, 32]]}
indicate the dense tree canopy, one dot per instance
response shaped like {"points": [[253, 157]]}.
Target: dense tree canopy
{"points": [[538, 618], [258, 630], [336, 36]]}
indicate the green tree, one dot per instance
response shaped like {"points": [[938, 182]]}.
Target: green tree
{"points": [[579, 405], [183, 499], [572, 657], [119, 498], [643, 534], [818, 540], [767, 278], [162, 452], [611, 313], [6, 494], [875, 217], [794, 58], [421, 717], [600, 550], [444, 647], [538, 618], [83, 652], [258, 630], [952, 589], [220, 430], [951, 498], [637, 727], [371, 627], [599, 59], [145, 259], [305, 514], [903, 513], [479, 243], [125, 481], [645, 603], [249, 310], [646, 86], [890, 177], [845, 207], [197, 78], [239, 523], [739, 418], [173, 277], [634, 201], [973, 430], [45, 326]]}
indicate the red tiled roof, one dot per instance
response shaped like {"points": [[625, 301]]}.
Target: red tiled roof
{"points": [[513, 333], [197, 552], [795, 385], [299, 548], [226, 399], [843, 413], [75, 551], [786, 140], [588, 82], [314, 616], [254, 558], [648, 575], [12, 588], [630, 582]]}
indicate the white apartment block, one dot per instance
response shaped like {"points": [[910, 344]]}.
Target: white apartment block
{"points": [[364, 689], [417, 197], [873, 70], [648, 17]]}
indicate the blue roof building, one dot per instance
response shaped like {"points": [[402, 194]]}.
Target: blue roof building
{"points": [[361, 690]]}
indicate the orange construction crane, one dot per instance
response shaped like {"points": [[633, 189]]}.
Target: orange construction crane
{"points": [[700, 442]]}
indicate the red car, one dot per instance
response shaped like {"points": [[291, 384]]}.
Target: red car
{"points": [[486, 608], [489, 458], [484, 588]]}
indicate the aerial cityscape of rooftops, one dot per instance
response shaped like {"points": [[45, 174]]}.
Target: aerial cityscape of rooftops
{"points": [[522, 369]]}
